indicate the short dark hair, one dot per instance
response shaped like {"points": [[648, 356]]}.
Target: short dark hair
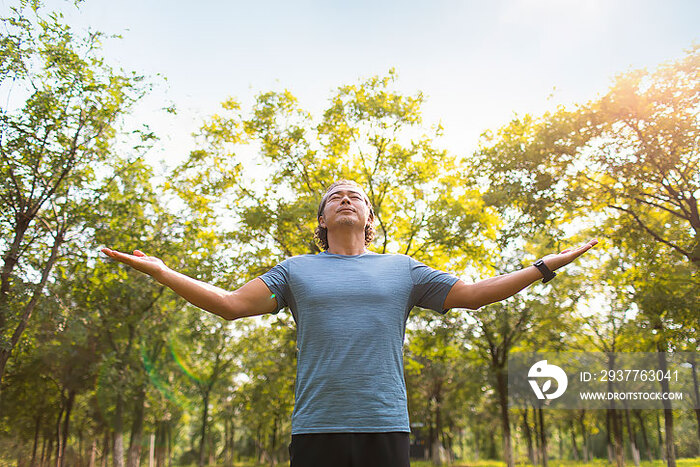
{"points": [[321, 233]]}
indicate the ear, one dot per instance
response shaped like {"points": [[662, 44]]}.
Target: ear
{"points": [[321, 222]]}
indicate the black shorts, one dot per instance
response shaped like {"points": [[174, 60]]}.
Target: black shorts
{"points": [[350, 450]]}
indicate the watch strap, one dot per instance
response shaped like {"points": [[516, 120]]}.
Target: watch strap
{"points": [[547, 274]]}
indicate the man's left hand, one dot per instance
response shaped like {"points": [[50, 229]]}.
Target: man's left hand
{"points": [[556, 261]]}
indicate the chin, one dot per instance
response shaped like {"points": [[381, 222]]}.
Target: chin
{"points": [[347, 221]]}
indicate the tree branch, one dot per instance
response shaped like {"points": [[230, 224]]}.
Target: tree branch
{"points": [[654, 234]]}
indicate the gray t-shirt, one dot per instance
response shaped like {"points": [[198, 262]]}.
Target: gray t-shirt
{"points": [[351, 316]]}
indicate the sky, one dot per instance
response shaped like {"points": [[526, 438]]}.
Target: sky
{"points": [[477, 62]]}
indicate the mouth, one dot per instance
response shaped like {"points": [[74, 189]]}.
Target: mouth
{"points": [[346, 209]]}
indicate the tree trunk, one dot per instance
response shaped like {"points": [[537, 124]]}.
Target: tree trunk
{"points": [[118, 451], [205, 415], [5, 353], [93, 453], [668, 413], [81, 454], [528, 437], [492, 444], [543, 438], [43, 451], [19, 449], [230, 442], [225, 451], [436, 453], [431, 429], [37, 427], [586, 453], [10, 259], [660, 439], [58, 432], [561, 442], [647, 447], [134, 455], [616, 424], [66, 425], [211, 452], [538, 445], [609, 437], [273, 442], [105, 449], [461, 442], [169, 437], [436, 449], [572, 430], [670, 450], [632, 436], [502, 388], [49, 451], [618, 447], [151, 450], [694, 367], [160, 444]]}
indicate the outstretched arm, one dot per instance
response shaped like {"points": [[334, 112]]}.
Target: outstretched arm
{"points": [[254, 298], [499, 288]]}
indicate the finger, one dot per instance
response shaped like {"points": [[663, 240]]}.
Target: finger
{"points": [[123, 257], [109, 252], [590, 244], [585, 247], [565, 251], [139, 253]]}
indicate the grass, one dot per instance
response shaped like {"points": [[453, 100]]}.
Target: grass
{"points": [[695, 462]]}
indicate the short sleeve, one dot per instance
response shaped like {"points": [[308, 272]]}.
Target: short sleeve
{"points": [[277, 280], [430, 286]]}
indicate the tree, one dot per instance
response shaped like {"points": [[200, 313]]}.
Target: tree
{"points": [[127, 311], [644, 148], [659, 288], [266, 384], [423, 204], [668, 303], [65, 105], [442, 377], [210, 361], [631, 156], [632, 152], [370, 134]]}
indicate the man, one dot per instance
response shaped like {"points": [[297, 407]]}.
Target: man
{"points": [[351, 307]]}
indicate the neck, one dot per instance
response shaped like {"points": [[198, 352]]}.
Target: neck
{"points": [[346, 242]]}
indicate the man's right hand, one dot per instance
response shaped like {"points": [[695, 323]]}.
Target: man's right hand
{"points": [[254, 298], [140, 261]]}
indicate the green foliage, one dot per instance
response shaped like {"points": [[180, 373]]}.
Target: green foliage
{"points": [[627, 166], [62, 112], [632, 154], [132, 355], [370, 134], [264, 389]]}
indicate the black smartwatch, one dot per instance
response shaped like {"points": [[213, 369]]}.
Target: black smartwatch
{"points": [[547, 273]]}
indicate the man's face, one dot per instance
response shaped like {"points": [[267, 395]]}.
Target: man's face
{"points": [[345, 205]]}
